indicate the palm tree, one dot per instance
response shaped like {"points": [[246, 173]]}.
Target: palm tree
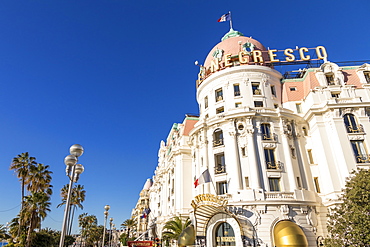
{"points": [[77, 198], [36, 207], [3, 232], [174, 227], [129, 224], [40, 178], [21, 166]]}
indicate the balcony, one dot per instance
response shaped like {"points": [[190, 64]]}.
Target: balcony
{"points": [[363, 158], [220, 169], [218, 142], [269, 137], [274, 165], [355, 129], [279, 195], [257, 92]]}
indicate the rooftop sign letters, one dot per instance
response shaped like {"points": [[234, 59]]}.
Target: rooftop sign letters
{"points": [[259, 57]]}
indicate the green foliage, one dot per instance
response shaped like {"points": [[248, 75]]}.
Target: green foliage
{"points": [[3, 232], [35, 181], [129, 224], [174, 227], [43, 239], [349, 222], [123, 239], [91, 232]]}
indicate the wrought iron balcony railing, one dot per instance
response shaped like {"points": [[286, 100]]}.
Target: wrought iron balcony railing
{"points": [[364, 158], [218, 142], [220, 169], [355, 129], [274, 165]]}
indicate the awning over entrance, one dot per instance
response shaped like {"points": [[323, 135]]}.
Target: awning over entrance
{"points": [[205, 206], [289, 234]]}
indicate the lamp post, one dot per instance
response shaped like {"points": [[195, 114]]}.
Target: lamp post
{"points": [[107, 207], [73, 171], [110, 231]]}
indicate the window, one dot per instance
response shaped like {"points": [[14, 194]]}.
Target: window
{"points": [[219, 95], [367, 76], [266, 133], [351, 125], [220, 166], [310, 157], [298, 106], [246, 179], [276, 106], [238, 104], [299, 182], [206, 102], [335, 95], [304, 129], [273, 91], [317, 186], [243, 151], [236, 90], [225, 235], [274, 184], [330, 79], [219, 110], [255, 88], [293, 89], [218, 138], [258, 104], [270, 159], [221, 188], [360, 152]]}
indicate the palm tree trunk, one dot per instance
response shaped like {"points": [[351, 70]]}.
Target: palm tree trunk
{"points": [[28, 241], [21, 212]]}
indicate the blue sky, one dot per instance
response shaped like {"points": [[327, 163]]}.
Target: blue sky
{"points": [[114, 75]]}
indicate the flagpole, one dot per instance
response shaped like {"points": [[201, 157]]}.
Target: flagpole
{"points": [[231, 22]]}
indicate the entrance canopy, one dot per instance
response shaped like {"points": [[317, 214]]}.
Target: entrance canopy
{"points": [[289, 234]]}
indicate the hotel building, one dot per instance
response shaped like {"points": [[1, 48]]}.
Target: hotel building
{"points": [[278, 148]]}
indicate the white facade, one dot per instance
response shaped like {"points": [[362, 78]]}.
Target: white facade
{"points": [[278, 149]]}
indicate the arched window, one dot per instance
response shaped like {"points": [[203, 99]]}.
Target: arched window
{"points": [[351, 124], [218, 138], [225, 235]]}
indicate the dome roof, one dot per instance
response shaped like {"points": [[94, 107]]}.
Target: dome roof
{"points": [[232, 43], [148, 184]]}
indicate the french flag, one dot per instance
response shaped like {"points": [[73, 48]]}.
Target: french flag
{"points": [[204, 178], [225, 17]]}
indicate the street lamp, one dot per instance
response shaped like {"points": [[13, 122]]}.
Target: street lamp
{"points": [[110, 231], [107, 207], [73, 171]]}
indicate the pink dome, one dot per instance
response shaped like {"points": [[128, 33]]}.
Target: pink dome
{"points": [[233, 46]]}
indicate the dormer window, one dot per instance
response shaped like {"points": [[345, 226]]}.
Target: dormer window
{"points": [[367, 76], [330, 79], [219, 95]]}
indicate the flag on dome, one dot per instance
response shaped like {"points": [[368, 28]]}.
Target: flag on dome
{"points": [[204, 178], [225, 17]]}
